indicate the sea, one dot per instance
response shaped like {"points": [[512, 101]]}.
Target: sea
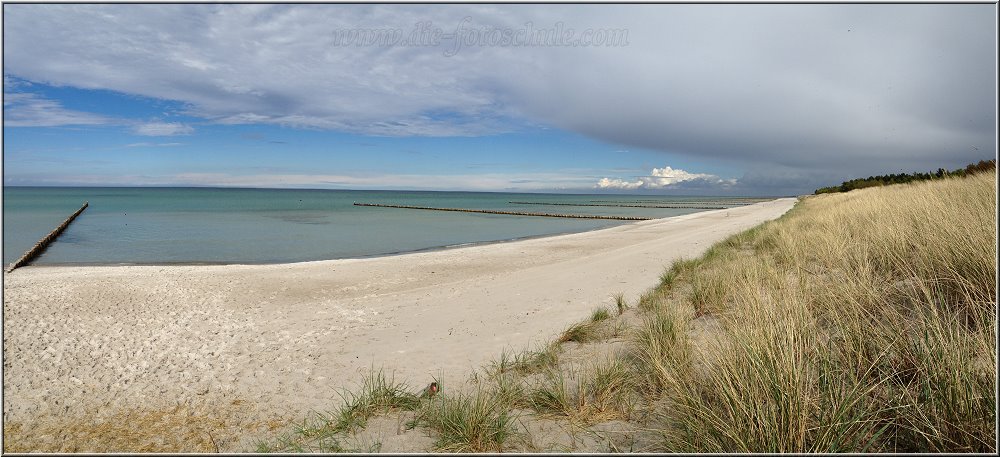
{"points": [[145, 225]]}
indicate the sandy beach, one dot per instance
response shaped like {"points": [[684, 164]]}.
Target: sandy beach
{"points": [[278, 341]]}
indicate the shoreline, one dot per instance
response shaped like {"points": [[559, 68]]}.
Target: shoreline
{"points": [[370, 256], [86, 343]]}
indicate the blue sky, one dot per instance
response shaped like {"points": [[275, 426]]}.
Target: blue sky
{"points": [[698, 99], [118, 151]]}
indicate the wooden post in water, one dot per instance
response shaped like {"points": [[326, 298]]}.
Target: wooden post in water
{"points": [[44, 242]]}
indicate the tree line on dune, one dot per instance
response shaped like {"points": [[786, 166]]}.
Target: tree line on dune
{"points": [[902, 178]]}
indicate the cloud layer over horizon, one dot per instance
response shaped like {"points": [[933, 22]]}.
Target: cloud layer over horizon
{"points": [[662, 178], [791, 95]]}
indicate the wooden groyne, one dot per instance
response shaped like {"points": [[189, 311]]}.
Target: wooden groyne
{"points": [[44, 242], [620, 205], [702, 202], [508, 213]]}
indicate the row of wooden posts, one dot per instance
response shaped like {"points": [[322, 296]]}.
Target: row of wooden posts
{"points": [[44, 242], [620, 205], [703, 202], [509, 213]]}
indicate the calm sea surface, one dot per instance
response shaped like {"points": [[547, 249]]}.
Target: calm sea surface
{"points": [[209, 225]]}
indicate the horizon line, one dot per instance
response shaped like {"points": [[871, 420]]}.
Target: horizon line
{"points": [[189, 186]]}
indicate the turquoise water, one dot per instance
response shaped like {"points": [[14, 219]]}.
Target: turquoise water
{"points": [[209, 225]]}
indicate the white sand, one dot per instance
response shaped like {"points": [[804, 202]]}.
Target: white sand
{"points": [[287, 338]]}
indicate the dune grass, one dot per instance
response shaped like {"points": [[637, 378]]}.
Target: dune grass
{"points": [[326, 432], [377, 395], [620, 303], [586, 331], [598, 393], [860, 322], [526, 362], [480, 421], [596, 328]]}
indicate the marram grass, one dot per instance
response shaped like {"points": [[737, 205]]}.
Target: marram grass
{"points": [[857, 322], [481, 421], [376, 396]]}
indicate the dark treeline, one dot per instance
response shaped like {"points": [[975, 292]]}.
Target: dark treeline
{"points": [[901, 178]]}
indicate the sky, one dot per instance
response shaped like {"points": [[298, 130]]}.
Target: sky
{"points": [[644, 99]]}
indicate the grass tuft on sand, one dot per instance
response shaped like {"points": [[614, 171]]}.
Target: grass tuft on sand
{"points": [[377, 395], [526, 362], [481, 421], [620, 303], [598, 394]]}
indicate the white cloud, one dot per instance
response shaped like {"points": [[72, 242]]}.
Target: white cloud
{"points": [[162, 129], [32, 110], [661, 178]]}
